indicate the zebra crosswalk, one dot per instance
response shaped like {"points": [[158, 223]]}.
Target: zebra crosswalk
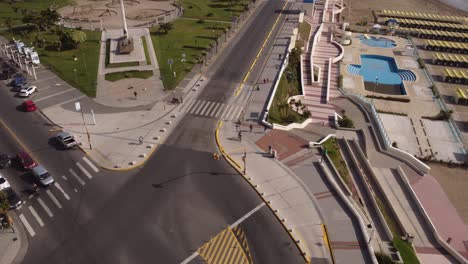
{"points": [[213, 109], [40, 209]]}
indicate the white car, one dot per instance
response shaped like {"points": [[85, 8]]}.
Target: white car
{"points": [[3, 183], [27, 91]]}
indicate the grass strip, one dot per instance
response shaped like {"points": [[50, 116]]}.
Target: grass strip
{"points": [[406, 251], [331, 145], [145, 48], [115, 76]]}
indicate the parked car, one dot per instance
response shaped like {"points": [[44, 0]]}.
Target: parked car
{"points": [[21, 87], [26, 92], [3, 182], [29, 106], [25, 161], [66, 140], [19, 80], [5, 161], [42, 175], [13, 198]]}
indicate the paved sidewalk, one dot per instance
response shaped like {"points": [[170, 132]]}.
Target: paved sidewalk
{"points": [[285, 193]]}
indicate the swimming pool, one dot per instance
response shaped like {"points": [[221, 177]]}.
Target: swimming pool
{"points": [[377, 42], [381, 74]]}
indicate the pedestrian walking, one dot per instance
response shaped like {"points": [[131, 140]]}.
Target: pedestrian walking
{"points": [[140, 139], [250, 127], [237, 127], [279, 56], [239, 135], [264, 80], [135, 94]]}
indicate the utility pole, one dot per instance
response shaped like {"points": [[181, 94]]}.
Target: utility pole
{"points": [[244, 159]]}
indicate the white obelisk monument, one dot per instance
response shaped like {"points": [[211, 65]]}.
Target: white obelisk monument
{"points": [[124, 20]]}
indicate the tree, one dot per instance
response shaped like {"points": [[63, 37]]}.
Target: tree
{"points": [[71, 39], [9, 23], [346, 122], [44, 19], [165, 27]]}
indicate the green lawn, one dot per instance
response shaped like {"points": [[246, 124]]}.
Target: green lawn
{"points": [[8, 10], [115, 76], [279, 113], [333, 152], [213, 10], [145, 47], [188, 37], [62, 63], [304, 31], [406, 251]]}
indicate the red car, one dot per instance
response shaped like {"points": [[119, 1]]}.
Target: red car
{"points": [[29, 106], [25, 161]]}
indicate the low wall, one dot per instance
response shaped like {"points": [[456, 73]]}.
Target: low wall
{"points": [[293, 125], [440, 240], [355, 214], [327, 98], [382, 136], [366, 186]]}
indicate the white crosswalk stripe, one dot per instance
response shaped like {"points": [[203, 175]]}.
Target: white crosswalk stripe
{"points": [[38, 218], [27, 225], [54, 199], [202, 108], [215, 109], [45, 207], [190, 105], [95, 169], [57, 185], [74, 174], [82, 169]]}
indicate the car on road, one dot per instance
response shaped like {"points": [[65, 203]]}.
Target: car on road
{"points": [[26, 92], [5, 161], [42, 175], [66, 140], [13, 198], [3, 182], [25, 161], [29, 106]]}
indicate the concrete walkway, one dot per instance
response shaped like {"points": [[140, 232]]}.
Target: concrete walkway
{"points": [[427, 249]]}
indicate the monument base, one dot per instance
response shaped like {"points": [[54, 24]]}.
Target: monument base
{"points": [[125, 45]]}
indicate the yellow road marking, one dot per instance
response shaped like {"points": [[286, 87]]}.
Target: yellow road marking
{"points": [[258, 53], [224, 248], [327, 242]]}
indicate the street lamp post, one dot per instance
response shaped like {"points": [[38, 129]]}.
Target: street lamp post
{"points": [[375, 86], [244, 159]]}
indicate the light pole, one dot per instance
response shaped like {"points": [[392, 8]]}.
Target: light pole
{"points": [[375, 86], [244, 159]]}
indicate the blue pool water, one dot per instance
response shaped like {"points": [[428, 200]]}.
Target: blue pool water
{"points": [[377, 42], [381, 72]]}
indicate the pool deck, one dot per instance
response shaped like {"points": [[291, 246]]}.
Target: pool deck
{"points": [[422, 102]]}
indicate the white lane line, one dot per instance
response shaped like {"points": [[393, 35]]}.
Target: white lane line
{"points": [[196, 105], [54, 199], [202, 110], [238, 115], [219, 110], [215, 109], [187, 260], [55, 94], [57, 185], [45, 207], [34, 213], [224, 112], [242, 219], [95, 169], [84, 171], [66, 102], [208, 111], [189, 106], [27, 225], [77, 177]]}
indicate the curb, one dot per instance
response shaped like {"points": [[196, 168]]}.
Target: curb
{"points": [[239, 169]]}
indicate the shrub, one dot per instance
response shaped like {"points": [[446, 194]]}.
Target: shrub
{"points": [[340, 81], [209, 14], [389, 98], [346, 122], [201, 21], [394, 144], [306, 113]]}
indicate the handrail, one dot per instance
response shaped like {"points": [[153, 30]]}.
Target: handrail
{"points": [[328, 79]]}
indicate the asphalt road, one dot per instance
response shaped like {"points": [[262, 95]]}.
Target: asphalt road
{"points": [[165, 210]]}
